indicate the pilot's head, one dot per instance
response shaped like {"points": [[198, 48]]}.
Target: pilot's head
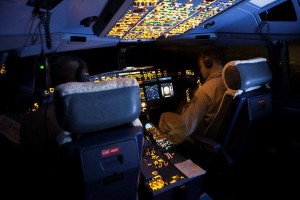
{"points": [[210, 60], [67, 68]]}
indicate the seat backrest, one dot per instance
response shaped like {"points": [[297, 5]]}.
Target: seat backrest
{"points": [[84, 107], [103, 159], [247, 99]]}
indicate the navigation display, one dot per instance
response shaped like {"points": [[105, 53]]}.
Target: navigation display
{"points": [[152, 92], [167, 90]]}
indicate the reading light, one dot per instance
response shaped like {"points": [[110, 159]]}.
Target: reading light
{"points": [[86, 22], [209, 24]]}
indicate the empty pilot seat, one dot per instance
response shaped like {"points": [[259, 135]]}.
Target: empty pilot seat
{"points": [[246, 101], [103, 159]]}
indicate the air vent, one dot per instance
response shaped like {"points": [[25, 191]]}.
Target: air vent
{"points": [[77, 38], [202, 37]]}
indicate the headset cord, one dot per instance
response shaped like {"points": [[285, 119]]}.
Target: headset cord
{"points": [[46, 24]]}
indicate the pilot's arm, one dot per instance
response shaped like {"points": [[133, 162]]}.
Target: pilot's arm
{"points": [[178, 127], [193, 117]]}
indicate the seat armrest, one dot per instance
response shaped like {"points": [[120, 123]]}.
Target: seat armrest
{"points": [[206, 143]]}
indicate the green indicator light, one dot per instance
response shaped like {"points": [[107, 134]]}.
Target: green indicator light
{"points": [[42, 66]]}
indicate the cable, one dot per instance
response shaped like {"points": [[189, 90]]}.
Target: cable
{"points": [[46, 24], [121, 58]]}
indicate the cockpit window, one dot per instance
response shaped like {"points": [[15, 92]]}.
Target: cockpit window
{"points": [[294, 68], [281, 12], [246, 52]]}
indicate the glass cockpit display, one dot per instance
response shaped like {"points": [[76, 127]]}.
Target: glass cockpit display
{"points": [[152, 92], [167, 90]]}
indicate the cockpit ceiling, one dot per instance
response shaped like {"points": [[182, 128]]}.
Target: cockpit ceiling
{"points": [[29, 27], [152, 19]]}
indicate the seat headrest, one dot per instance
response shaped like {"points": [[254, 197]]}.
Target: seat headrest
{"points": [[89, 107], [244, 74]]}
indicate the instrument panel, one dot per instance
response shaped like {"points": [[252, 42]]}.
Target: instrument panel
{"points": [[142, 74], [156, 85]]}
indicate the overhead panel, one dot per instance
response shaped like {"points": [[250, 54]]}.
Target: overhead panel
{"points": [[153, 19]]}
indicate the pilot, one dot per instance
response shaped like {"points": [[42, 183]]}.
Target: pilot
{"points": [[41, 127], [196, 115]]}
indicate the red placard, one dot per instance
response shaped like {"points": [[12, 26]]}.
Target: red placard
{"points": [[110, 151]]}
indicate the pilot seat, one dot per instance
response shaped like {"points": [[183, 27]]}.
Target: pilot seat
{"points": [[103, 156], [245, 105]]}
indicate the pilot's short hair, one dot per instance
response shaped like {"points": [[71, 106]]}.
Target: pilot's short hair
{"points": [[214, 53], [66, 68]]}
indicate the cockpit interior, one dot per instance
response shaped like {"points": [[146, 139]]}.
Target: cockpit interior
{"points": [[142, 58]]}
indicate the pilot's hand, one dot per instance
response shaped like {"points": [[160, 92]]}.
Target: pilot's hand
{"points": [[160, 136]]}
